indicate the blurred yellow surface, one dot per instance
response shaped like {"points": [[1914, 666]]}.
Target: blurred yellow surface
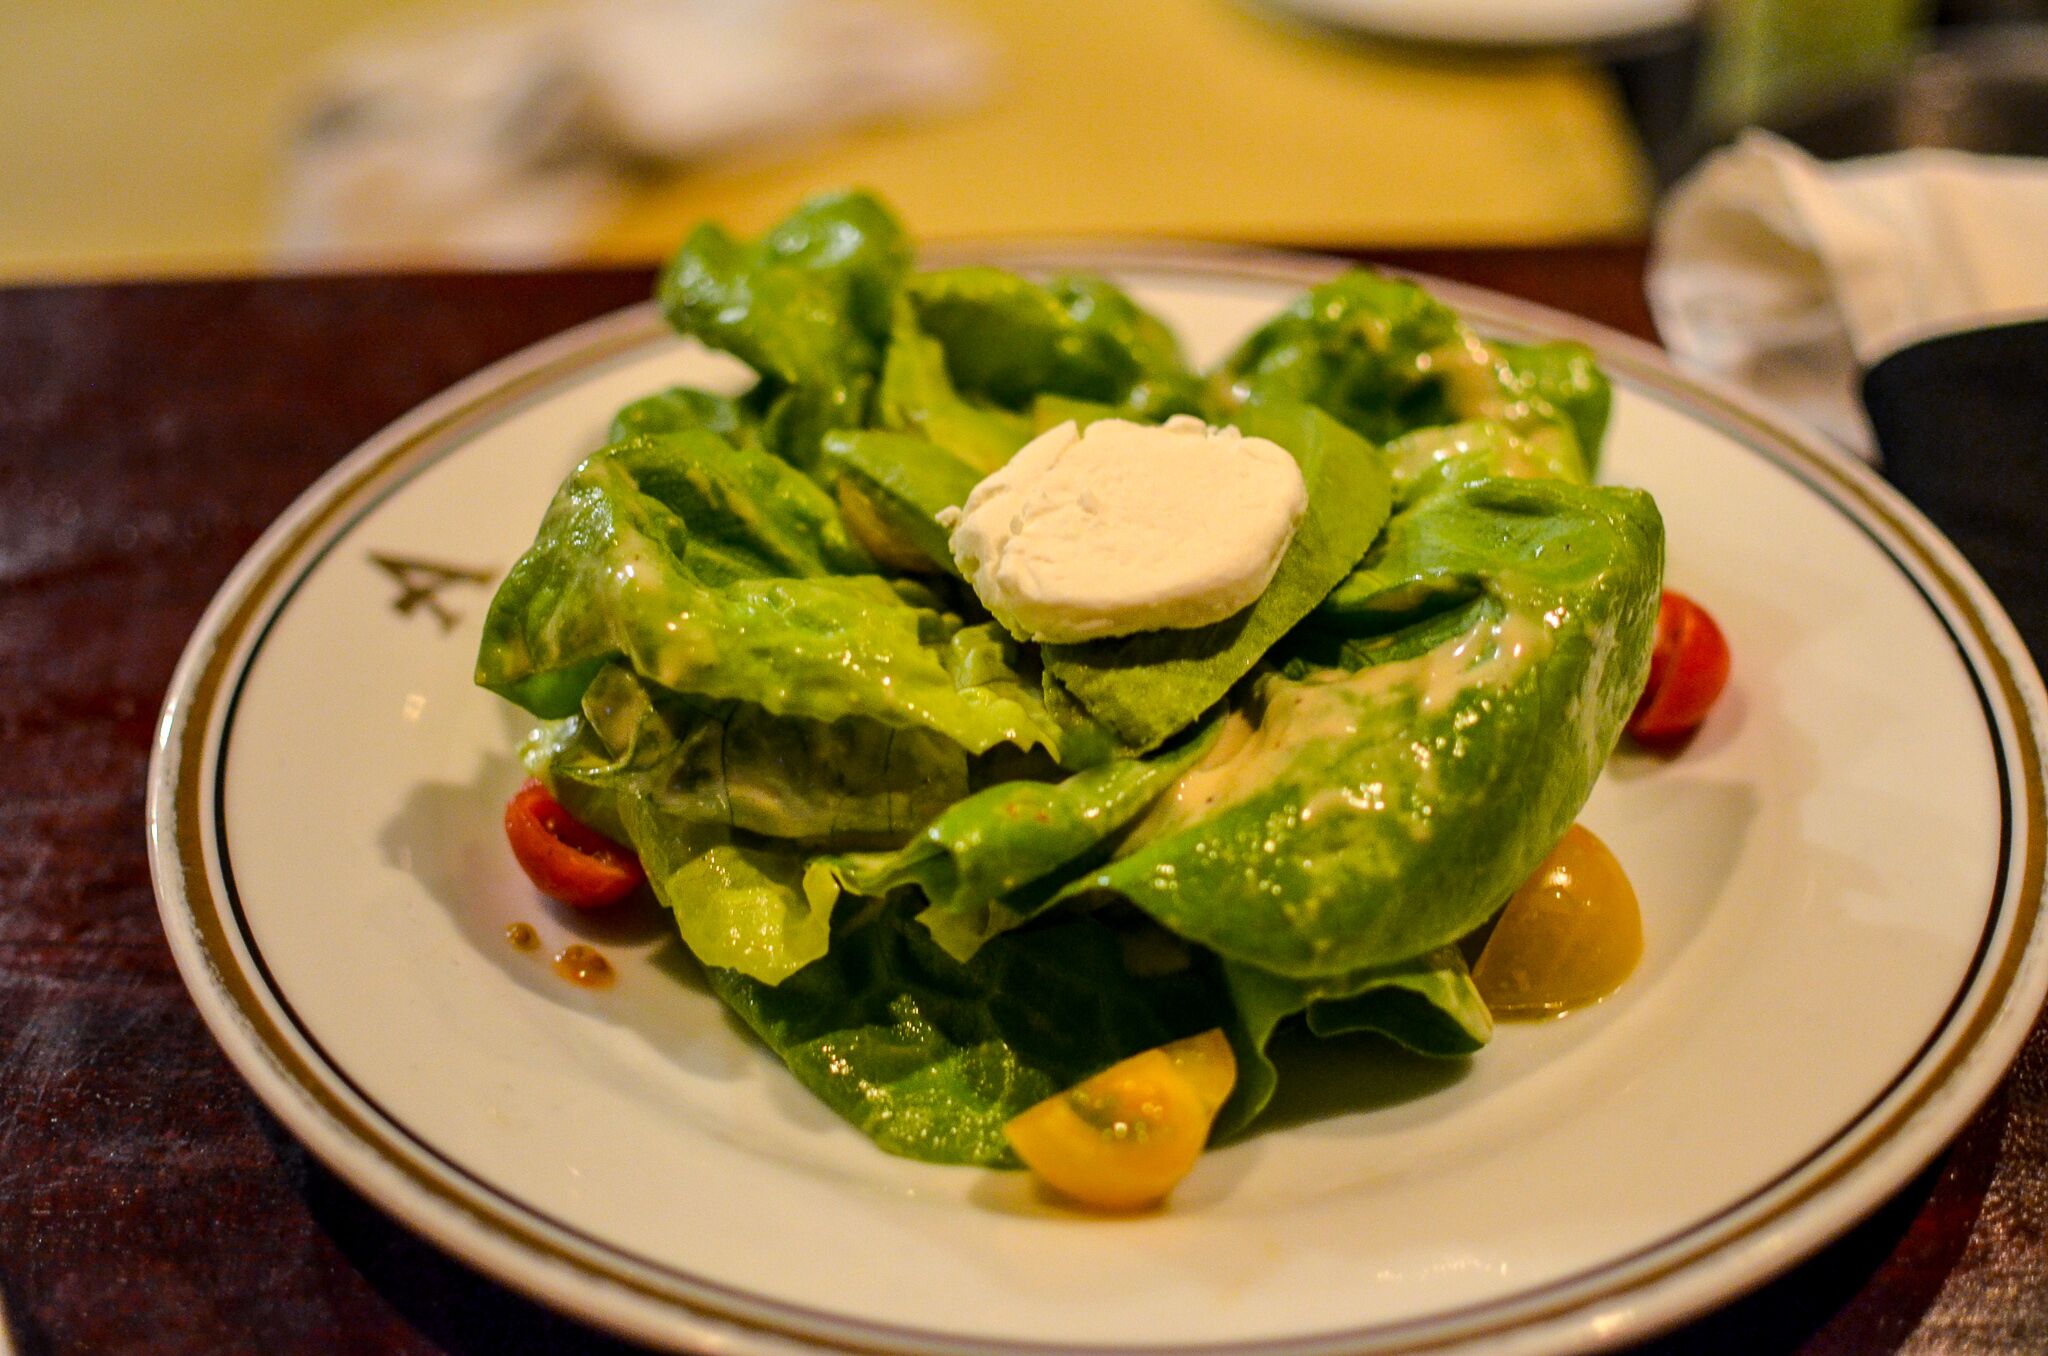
{"points": [[144, 136]]}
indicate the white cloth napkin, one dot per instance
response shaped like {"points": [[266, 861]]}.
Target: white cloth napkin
{"points": [[509, 140], [1792, 276]]}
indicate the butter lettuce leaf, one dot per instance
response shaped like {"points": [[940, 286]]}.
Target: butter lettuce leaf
{"points": [[1427, 1004], [1443, 540], [995, 859], [710, 570], [1429, 460], [1386, 358], [807, 306], [1564, 376], [904, 481], [1529, 542], [973, 349], [1360, 347], [1354, 817], [683, 409], [724, 806], [736, 903], [1163, 384], [1008, 341], [929, 1056], [918, 396], [1147, 686], [731, 765], [1050, 411]]}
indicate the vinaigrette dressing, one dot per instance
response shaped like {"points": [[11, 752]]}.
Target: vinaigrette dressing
{"points": [[585, 966]]}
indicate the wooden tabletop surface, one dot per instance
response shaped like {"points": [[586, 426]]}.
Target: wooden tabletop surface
{"points": [[148, 1202]]}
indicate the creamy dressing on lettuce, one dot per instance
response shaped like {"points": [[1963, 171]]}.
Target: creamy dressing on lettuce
{"points": [[1287, 716], [1411, 458]]}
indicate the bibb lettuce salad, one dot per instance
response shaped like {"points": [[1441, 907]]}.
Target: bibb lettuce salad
{"points": [[945, 873]]}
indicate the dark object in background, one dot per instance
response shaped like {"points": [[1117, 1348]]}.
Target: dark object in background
{"points": [[1982, 89], [1951, 13], [1657, 83], [1980, 85], [1975, 457]]}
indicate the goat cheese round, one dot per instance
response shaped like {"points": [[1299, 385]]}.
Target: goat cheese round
{"points": [[1128, 527]]}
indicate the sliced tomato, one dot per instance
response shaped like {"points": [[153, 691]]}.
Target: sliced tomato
{"points": [[1688, 669], [565, 858], [1122, 1139], [1568, 937]]}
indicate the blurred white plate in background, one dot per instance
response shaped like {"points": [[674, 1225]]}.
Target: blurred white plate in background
{"points": [[1497, 22]]}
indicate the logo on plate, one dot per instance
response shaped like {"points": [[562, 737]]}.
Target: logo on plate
{"points": [[421, 582]]}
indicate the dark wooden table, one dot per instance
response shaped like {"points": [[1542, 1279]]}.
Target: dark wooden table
{"points": [[148, 1202]]}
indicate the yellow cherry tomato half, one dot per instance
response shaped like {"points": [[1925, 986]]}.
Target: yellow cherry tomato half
{"points": [[1569, 936], [1123, 1139]]}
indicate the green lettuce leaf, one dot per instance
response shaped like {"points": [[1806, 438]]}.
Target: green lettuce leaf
{"points": [[1353, 819], [733, 766], [1566, 377], [1385, 358], [683, 409], [807, 306], [1008, 341], [1440, 544], [724, 804], [738, 904], [1360, 347], [1428, 1004], [1145, 687], [1163, 384], [904, 481], [972, 350], [707, 569], [929, 1056], [1450, 546], [1433, 459], [993, 860], [918, 396], [1050, 411]]}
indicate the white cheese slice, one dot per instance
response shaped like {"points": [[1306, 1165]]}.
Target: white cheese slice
{"points": [[1128, 527]]}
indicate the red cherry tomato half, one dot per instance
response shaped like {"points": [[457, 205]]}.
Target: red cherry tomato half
{"points": [[565, 858], [1688, 669]]}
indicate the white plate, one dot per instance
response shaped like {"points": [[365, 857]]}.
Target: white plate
{"points": [[1841, 879], [1502, 23]]}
